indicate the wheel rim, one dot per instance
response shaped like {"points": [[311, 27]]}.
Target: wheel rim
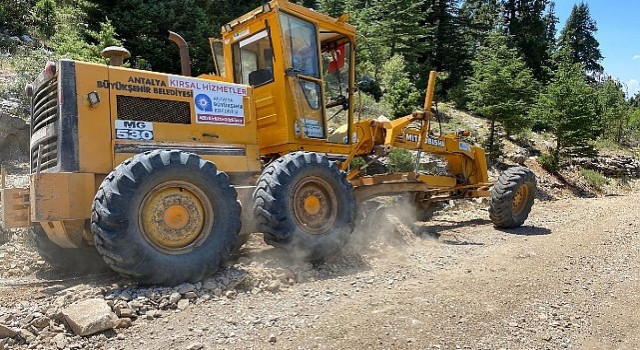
{"points": [[520, 200], [314, 205], [175, 217]]}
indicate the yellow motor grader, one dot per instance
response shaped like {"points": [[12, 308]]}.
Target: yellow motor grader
{"points": [[143, 170]]}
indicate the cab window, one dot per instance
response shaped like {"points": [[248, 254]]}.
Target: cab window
{"points": [[253, 60]]}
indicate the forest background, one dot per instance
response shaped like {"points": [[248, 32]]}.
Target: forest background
{"points": [[504, 60]]}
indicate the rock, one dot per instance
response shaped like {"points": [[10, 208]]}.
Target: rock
{"points": [[6, 332], [90, 316], [272, 339], [274, 286], [124, 312], [60, 341], [183, 304], [174, 297], [185, 288], [191, 295], [195, 346], [40, 322], [26, 335], [124, 323]]}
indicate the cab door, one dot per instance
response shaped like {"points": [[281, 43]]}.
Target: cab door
{"points": [[301, 57]]}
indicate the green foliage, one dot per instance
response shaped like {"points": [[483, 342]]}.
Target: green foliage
{"points": [[550, 162], [44, 18], [73, 40], [568, 106], [14, 15], [607, 145], [593, 178], [613, 109], [578, 37], [401, 160], [143, 26], [400, 95], [26, 64], [532, 31], [501, 88], [334, 8], [357, 163]]}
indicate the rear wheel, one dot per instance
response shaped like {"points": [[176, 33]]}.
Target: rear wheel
{"points": [[166, 217], [512, 197], [304, 204], [84, 259]]}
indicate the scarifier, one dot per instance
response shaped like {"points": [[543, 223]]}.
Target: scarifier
{"points": [[143, 170]]}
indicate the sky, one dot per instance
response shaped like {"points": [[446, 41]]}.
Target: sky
{"points": [[618, 23]]}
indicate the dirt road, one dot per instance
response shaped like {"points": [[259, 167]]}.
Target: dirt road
{"points": [[569, 279]]}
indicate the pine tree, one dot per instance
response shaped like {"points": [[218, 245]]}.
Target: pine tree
{"points": [[333, 8], [578, 37], [447, 51], [529, 23], [387, 28], [481, 17], [501, 88], [143, 24], [568, 105], [613, 109]]}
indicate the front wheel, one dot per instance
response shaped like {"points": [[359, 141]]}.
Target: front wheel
{"points": [[166, 217], [305, 205], [512, 197]]}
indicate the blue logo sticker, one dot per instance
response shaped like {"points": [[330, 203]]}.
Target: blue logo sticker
{"points": [[203, 103]]}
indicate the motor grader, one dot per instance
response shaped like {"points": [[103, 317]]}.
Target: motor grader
{"points": [[143, 170]]}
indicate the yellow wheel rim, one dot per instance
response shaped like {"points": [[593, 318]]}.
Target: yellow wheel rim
{"points": [[314, 205], [175, 217], [520, 200]]}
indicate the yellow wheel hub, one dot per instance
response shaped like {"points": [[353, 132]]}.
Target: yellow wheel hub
{"points": [[175, 217], [314, 205], [520, 200]]}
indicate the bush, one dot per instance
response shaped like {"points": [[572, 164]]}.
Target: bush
{"points": [[593, 178], [401, 160], [549, 162]]}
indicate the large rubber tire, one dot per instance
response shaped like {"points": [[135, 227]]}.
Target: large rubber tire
{"points": [[166, 217], [512, 197], [85, 259], [304, 204]]}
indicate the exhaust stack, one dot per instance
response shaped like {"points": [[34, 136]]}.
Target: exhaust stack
{"points": [[185, 62]]}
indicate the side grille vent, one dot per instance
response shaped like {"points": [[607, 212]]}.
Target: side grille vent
{"points": [[153, 110], [44, 112]]}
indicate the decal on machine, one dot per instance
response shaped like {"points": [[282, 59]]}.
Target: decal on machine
{"points": [[215, 102], [311, 128], [435, 142], [134, 130], [412, 137], [465, 146]]}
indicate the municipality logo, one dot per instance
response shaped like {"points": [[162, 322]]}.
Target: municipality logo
{"points": [[203, 103]]}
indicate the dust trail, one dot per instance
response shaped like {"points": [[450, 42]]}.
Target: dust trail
{"points": [[384, 222]]}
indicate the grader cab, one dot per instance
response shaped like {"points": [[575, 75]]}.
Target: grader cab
{"points": [[143, 170]]}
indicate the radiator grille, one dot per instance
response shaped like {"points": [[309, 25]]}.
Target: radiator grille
{"points": [[47, 151], [44, 112], [153, 110], [45, 105]]}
